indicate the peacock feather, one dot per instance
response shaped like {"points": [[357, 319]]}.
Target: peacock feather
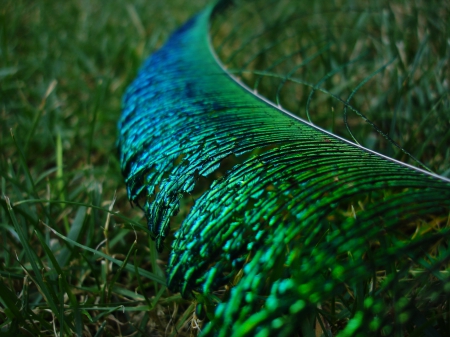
{"points": [[294, 228]]}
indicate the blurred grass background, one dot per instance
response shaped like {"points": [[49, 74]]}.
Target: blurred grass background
{"points": [[64, 66]]}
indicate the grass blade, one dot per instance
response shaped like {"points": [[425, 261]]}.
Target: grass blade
{"points": [[141, 271]]}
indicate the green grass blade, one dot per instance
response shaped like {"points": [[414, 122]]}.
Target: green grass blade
{"points": [[142, 272], [119, 271], [64, 286], [10, 301], [46, 289], [116, 214]]}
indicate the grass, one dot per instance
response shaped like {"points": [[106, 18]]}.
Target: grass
{"points": [[75, 257]]}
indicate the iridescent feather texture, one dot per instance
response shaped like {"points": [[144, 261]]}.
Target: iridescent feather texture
{"points": [[271, 238]]}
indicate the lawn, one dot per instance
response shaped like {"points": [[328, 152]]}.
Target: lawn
{"points": [[75, 257]]}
